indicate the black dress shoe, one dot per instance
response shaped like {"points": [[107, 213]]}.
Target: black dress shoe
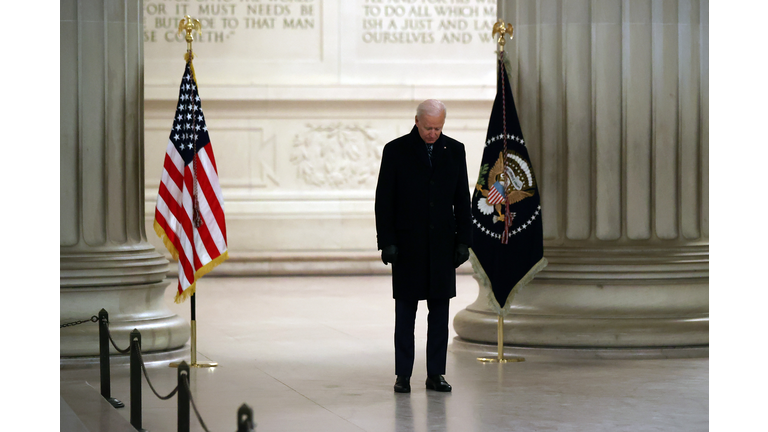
{"points": [[437, 382], [403, 384]]}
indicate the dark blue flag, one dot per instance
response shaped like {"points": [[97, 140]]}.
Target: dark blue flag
{"points": [[506, 212]]}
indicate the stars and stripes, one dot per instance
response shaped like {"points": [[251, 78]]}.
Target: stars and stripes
{"points": [[496, 194], [189, 215]]}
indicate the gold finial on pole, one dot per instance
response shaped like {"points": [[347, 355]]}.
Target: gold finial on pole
{"points": [[502, 28], [189, 25]]}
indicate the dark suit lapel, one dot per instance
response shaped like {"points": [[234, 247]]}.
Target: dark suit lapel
{"points": [[439, 153], [419, 147]]}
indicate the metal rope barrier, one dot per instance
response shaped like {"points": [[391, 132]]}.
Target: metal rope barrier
{"points": [[74, 323], [194, 407], [104, 336], [245, 421], [121, 351], [144, 370]]}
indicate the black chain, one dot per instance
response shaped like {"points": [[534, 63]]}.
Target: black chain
{"points": [[194, 407], [74, 323], [121, 351], [144, 369]]}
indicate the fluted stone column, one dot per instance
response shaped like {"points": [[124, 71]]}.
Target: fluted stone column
{"points": [[613, 101], [106, 261]]}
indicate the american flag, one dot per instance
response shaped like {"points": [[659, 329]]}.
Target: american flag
{"points": [[196, 235], [496, 194]]}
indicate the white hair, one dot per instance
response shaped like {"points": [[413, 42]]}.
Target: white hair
{"points": [[431, 107]]}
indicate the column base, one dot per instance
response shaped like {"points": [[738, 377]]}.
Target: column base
{"points": [[617, 297], [130, 307], [491, 351], [605, 316]]}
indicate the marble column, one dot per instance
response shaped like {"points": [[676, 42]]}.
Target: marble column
{"points": [[105, 259], [613, 101]]}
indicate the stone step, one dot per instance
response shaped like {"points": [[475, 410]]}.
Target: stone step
{"points": [[83, 409]]}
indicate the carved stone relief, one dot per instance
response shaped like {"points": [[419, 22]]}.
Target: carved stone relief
{"points": [[337, 155]]}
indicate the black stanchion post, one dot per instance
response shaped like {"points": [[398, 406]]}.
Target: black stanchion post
{"points": [[136, 380], [245, 419], [104, 353], [106, 389], [183, 397]]}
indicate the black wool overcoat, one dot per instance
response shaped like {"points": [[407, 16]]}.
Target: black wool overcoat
{"points": [[424, 210]]}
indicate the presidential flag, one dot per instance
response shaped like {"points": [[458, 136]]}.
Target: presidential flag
{"points": [[189, 215], [506, 212]]}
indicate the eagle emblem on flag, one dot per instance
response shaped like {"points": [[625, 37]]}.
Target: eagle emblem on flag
{"points": [[513, 182]]}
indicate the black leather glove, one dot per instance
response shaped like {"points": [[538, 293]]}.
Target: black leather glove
{"points": [[389, 254], [461, 255]]}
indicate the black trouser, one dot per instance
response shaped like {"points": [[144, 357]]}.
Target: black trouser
{"points": [[437, 336]]}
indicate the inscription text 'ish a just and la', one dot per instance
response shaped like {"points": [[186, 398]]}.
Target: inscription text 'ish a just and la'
{"points": [[428, 21]]}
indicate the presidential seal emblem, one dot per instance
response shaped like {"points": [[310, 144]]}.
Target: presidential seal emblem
{"points": [[501, 184]]}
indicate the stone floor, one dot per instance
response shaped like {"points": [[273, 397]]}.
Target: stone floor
{"points": [[315, 354]]}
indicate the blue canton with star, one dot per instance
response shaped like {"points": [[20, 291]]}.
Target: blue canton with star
{"points": [[189, 130]]}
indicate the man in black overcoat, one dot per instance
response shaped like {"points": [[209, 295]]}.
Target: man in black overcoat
{"points": [[424, 229]]}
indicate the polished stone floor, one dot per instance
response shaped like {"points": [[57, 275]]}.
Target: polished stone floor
{"points": [[316, 354]]}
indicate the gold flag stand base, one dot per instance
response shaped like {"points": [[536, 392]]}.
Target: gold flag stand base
{"points": [[500, 343], [195, 363]]}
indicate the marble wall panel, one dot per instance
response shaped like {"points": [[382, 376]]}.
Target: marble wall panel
{"points": [[300, 97], [300, 181], [416, 42], [259, 44], [244, 42]]}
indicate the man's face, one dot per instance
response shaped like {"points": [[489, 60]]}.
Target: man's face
{"points": [[430, 127]]}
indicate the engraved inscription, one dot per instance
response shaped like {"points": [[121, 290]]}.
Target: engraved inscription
{"points": [[237, 23], [428, 21], [325, 42]]}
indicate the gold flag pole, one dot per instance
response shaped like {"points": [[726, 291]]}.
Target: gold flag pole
{"points": [[188, 25], [502, 29], [500, 346]]}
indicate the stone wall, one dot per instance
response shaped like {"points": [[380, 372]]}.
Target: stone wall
{"points": [[300, 98]]}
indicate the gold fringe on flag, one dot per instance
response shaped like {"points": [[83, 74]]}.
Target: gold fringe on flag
{"points": [[166, 241], [202, 271]]}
